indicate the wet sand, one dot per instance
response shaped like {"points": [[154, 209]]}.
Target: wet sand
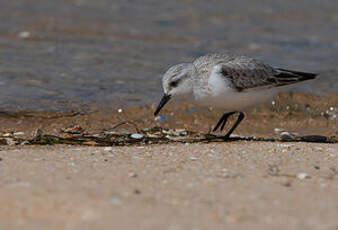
{"points": [[239, 185], [299, 113], [236, 184]]}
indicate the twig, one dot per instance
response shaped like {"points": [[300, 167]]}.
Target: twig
{"points": [[125, 123]]}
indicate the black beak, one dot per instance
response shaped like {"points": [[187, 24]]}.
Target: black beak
{"points": [[163, 101]]}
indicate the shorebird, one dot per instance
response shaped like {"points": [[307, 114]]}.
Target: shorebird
{"points": [[229, 82]]}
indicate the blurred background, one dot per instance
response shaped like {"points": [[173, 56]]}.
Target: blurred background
{"points": [[57, 54]]}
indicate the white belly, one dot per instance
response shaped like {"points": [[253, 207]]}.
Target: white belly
{"points": [[220, 94], [231, 100]]}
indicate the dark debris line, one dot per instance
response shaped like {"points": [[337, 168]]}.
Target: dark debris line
{"points": [[154, 135]]}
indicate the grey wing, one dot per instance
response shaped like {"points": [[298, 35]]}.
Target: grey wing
{"points": [[250, 74]]}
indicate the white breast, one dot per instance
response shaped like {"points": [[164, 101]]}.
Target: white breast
{"points": [[220, 94]]}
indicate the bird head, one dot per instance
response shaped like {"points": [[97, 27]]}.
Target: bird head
{"points": [[176, 82]]}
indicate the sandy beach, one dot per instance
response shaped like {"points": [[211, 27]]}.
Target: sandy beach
{"points": [[80, 147], [239, 185]]}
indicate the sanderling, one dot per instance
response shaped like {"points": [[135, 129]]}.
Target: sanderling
{"points": [[227, 81]]}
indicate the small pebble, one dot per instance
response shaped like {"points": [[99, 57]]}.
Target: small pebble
{"points": [[303, 176], [277, 130], [107, 149], [161, 118], [109, 132], [284, 145], [24, 34], [181, 132], [115, 201], [193, 158], [169, 137], [18, 133], [322, 185], [136, 136], [133, 174]]}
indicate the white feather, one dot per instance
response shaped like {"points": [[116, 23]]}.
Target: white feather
{"points": [[222, 95]]}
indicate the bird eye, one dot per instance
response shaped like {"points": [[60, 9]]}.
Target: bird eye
{"points": [[174, 84]]}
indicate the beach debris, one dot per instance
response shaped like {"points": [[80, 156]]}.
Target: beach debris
{"points": [[154, 135], [170, 132], [182, 132], [314, 138], [38, 134], [136, 136], [286, 136], [334, 139], [76, 129], [3, 141], [89, 143], [24, 143], [130, 123], [8, 135], [10, 141], [176, 133], [303, 176]]}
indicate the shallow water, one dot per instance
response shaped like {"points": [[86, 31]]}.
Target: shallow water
{"points": [[56, 55]]}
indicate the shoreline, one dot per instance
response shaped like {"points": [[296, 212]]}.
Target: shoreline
{"points": [[297, 113]]}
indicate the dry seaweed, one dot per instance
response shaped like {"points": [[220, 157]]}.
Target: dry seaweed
{"points": [[155, 135]]}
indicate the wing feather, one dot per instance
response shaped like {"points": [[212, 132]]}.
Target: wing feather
{"points": [[247, 73], [250, 74]]}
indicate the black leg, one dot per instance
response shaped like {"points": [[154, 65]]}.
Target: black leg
{"points": [[226, 119], [219, 122], [223, 121], [239, 119]]}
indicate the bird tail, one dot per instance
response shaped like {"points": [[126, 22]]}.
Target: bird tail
{"points": [[286, 77]]}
